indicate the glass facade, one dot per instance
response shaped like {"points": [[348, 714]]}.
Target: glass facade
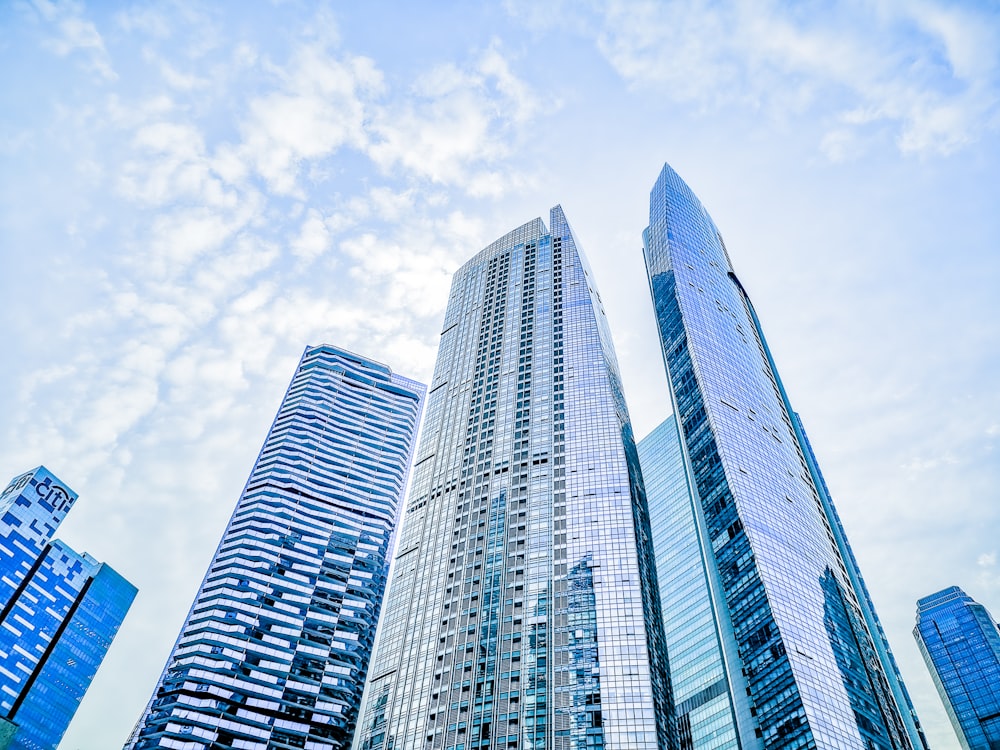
{"points": [[698, 668], [523, 608], [808, 662], [59, 612], [960, 642], [277, 643]]}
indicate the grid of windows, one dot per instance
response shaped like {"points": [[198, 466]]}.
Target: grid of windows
{"points": [[59, 612], [277, 643], [795, 620], [704, 710], [520, 613], [960, 643]]}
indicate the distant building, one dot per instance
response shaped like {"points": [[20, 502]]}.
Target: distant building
{"points": [[961, 645], [276, 646], [776, 613], [59, 612]]}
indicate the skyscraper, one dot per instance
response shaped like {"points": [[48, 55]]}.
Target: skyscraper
{"points": [[960, 642], [703, 702], [805, 661], [523, 610], [59, 612], [274, 651]]}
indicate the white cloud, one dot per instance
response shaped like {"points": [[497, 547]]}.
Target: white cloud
{"points": [[180, 237], [916, 466], [320, 104], [181, 81], [457, 126], [170, 164], [75, 34], [408, 268], [194, 322], [389, 205], [927, 71], [313, 238], [988, 574], [130, 115], [147, 20]]}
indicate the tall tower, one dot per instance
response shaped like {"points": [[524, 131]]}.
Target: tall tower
{"points": [[59, 612], [703, 696], [805, 659], [522, 611], [274, 651], [960, 642]]}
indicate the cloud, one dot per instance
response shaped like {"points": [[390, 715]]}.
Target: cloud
{"points": [[457, 125], [988, 574], [203, 286], [320, 104], [925, 72], [917, 466], [148, 20], [314, 237], [75, 34], [408, 262], [169, 164], [182, 81]]}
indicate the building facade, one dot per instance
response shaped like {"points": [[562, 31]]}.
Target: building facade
{"points": [[59, 612], [274, 651], [805, 660], [523, 608], [698, 669], [960, 643]]}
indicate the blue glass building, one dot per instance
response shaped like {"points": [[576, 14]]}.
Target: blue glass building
{"points": [[523, 608], [960, 642], [274, 651], [59, 612], [799, 647], [698, 666]]}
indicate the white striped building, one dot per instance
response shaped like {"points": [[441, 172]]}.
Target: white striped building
{"points": [[274, 651]]}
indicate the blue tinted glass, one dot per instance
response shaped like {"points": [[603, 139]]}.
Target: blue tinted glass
{"points": [[59, 611], [960, 642], [808, 664], [698, 672]]}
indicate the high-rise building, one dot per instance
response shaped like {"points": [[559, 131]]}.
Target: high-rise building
{"points": [[523, 608], [274, 651], [59, 612], [701, 689], [799, 650], [961, 645]]}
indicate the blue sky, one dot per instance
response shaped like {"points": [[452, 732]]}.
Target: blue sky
{"points": [[192, 193]]}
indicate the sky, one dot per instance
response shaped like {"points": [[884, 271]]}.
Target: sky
{"points": [[191, 193]]}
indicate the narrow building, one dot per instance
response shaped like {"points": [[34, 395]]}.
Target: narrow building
{"points": [[788, 629], [274, 651]]}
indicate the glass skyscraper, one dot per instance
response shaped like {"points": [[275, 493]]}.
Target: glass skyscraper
{"points": [[960, 642], [702, 695], [796, 641], [274, 651], [523, 608], [59, 612]]}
